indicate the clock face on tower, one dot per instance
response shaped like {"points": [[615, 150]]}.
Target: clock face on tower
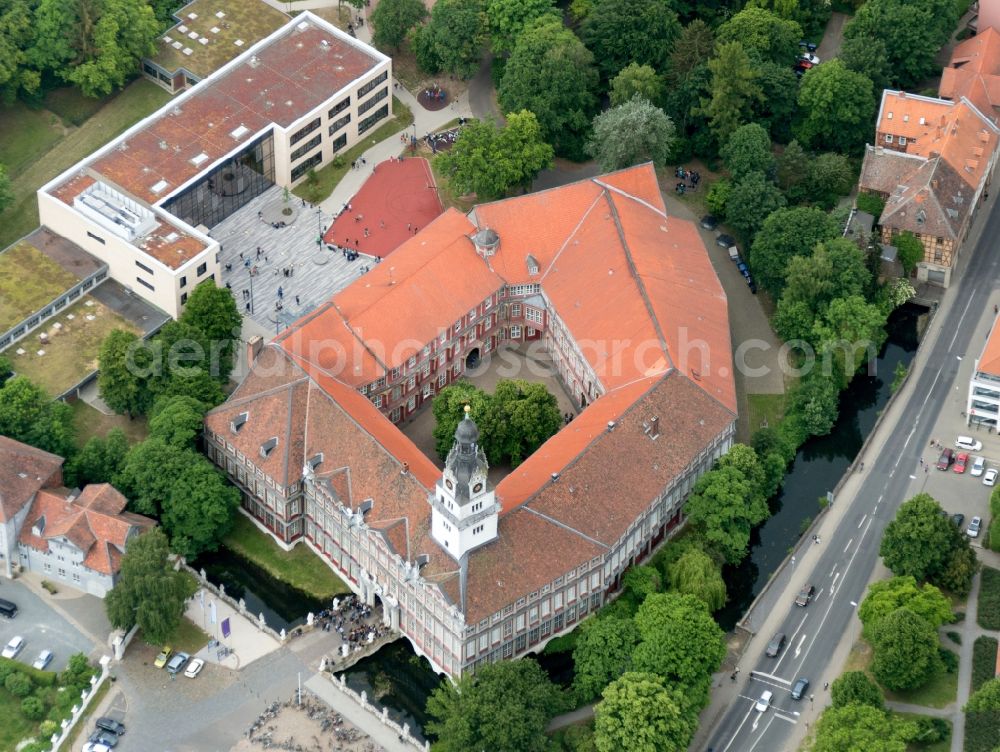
{"points": [[448, 484], [477, 488]]}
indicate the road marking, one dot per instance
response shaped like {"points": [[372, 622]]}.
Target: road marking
{"points": [[880, 499], [833, 571], [772, 677], [798, 648], [958, 328], [910, 434], [862, 522], [737, 733], [848, 545], [913, 477], [792, 639], [854, 603], [762, 733], [833, 585], [784, 718]]}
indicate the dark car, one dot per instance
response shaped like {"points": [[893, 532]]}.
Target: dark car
{"points": [[752, 285], [805, 595], [945, 460], [104, 737], [800, 688], [709, 222], [810, 46], [742, 266], [110, 724], [724, 241], [776, 645], [958, 518]]}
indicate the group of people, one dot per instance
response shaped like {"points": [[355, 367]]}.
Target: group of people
{"points": [[350, 620]]}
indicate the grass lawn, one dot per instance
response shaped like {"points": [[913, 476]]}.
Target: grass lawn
{"points": [[765, 409], [75, 337], [28, 280], [300, 567], [989, 599], [90, 422], [69, 104], [117, 113], [15, 726], [187, 638], [984, 661], [937, 693], [328, 177], [942, 746], [27, 135]]}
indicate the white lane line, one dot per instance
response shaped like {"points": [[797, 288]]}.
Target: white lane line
{"points": [[772, 677], [790, 640], [738, 728], [881, 496], [848, 545], [833, 585], [833, 571], [784, 718], [862, 521], [798, 648], [910, 434], [959, 327], [762, 733]]}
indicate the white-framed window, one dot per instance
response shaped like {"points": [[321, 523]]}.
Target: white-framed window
{"points": [[533, 314], [411, 382], [442, 380], [427, 389], [888, 138], [411, 403], [902, 140], [530, 332], [515, 309], [457, 368], [394, 374], [377, 400], [515, 331], [412, 362], [488, 303]]}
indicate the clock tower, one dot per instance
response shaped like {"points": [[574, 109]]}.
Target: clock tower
{"points": [[464, 507]]}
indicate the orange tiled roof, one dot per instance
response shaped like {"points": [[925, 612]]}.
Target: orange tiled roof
{"points": [[974, 72], [24, 470], [989, 361], [911, 115]]}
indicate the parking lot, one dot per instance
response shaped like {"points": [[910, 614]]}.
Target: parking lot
{"points": [[41, 626]]}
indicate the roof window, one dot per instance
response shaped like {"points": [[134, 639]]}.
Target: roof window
{"points": [[239, 132], [199, 160], [238, 422], [158, 186]]}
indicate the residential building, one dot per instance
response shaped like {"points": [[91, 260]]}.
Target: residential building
{"points": [[76, 538], [983, 403], [145, 203], [625, 302], [932, 163], [974, 73]]}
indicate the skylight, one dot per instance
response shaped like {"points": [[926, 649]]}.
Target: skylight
{"points": [[159, 186], [239, 132], [199, 160]]}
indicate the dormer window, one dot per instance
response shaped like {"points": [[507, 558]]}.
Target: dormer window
{"points": [[532, 265], [653, 427], [889, 116], [238, 422], [315, 461], [268, 446], [39, 527]]}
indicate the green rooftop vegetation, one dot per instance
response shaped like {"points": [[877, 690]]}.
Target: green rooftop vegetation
{"points": [[70, 352], [28, 280]]}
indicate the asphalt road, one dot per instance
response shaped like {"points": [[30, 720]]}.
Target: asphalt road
{"points": [[42, 628], [848, 557]]}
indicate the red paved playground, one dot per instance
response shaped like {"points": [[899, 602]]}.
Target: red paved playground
{"points": [[396, 201]]}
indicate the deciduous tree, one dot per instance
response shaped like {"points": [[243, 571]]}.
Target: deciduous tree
{"points": [[212, 311], [603, 652], [640, 713], [906, 650], [17, 34], [919, 541], [855, 688], [835, 269], [453, 39], [785, 234], [848, 334], [859, 728], [100, 460], [772, 37], [148, 592], [636, 80], [508, 18], [885, 596], [867, 56], [123, 367], [620, 32], [177, 420], [29, 415], [837, 106], [776, 107], [752, 200], [695, 573], [910, 251], [149, 472], [489, 160], [392, 20], [830, 176], [748, 150], [199, 510], [815, 402], [630, 133], [985, 699], [552, 74]]}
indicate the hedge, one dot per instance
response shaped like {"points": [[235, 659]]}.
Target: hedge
{"points": [[41, 678], [982, 729], [984, 660], [989, 599]]}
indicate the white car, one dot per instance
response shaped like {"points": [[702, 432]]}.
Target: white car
{"points": [[990, 479], [973, 530], [764, 702], [13, 647], [968, 443], [194, 668], [44, 659], [96, 747], [978, 466], [809, 56]]}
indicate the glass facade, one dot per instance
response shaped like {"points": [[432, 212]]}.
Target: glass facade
{"points": [[369, 121], [228, 187]]}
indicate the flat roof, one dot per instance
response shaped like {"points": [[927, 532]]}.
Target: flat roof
{"points": [[276, 82], [210, 33]]}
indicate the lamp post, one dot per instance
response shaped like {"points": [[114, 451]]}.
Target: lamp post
{"points": [[250, 272], [319, 226]]}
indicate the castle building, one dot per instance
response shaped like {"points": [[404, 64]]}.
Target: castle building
{"points": [[623, 299]]}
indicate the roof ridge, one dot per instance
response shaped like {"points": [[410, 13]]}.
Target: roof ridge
{"points": [[569, 236], [274, 390], [356, 336], [563, 525]]}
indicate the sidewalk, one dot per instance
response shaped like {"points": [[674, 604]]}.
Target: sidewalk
{"points": [[366, 721], [246, 640]]}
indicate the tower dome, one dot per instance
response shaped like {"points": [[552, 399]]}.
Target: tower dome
{"points": [[467, 432], [487, 242]]}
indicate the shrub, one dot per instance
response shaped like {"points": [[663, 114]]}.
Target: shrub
{"points": [[33, 709], [6, 669], [989, 599], [982, 729], [955, 637], [870, 203], [47, 729], [718, 196], [49, 587], [18, 684], [930, 730], [949, 659], [984, 660]]}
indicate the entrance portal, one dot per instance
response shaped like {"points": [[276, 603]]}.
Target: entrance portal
{"points": [[472, 359]]}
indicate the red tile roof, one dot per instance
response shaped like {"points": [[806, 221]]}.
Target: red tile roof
{"points": [[974, 72], [989, 361], [24, 470]]}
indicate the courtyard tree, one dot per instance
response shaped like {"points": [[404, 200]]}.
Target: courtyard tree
{"points": [[620, 32], [853, 728], [199, 510], [695, 573], [787, 233], [905, 650], [552, 74], [733, 90], [910, 251], [639, 712], [149, 472], [100, 460], [829, 177], [630, 133], [814, 403], [93, 44], [772, 37], [867, 56], [919, 540], [195, 383], [148, 592], [837, 106], [212, 311], [603, 652], [751, 201], [121, 380], [530, 415], [885, 596], [490, 160], [855, 688], [454, 38], [29, 415], [449, 409], [636, 80], [748, 150], [392, 20], [835, 269], [508, 18], [465, 717], [177, 420]]}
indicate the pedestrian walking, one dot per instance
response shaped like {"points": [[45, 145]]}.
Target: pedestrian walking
{"points": [[296, 300], [248, 308]]}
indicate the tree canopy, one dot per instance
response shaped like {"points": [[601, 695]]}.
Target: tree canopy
{"points": [[906, 650], [920, 540], [392, 20], [149, 592], [29, 415], [860, 728], [603, 652], [837, 107], [504, 706], [772, 37], [119, 380], [489, 160], [177, 420], [885, 596], [453, 39], [751, 201], [748, 150], [212, 311], [641, 714], [552, 74], [733, 90], [855, 688], [100, 460], [630, 133], [986, 698], [508, 18], [620, 32], [636, 80], [695, 573], [785, 234], [910, 251], [868, 57]]}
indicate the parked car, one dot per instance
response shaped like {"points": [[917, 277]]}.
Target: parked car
{"points": [[968, 443], [800, 688], [805, 595], [110, 724], [177, 662], [194, 668], [96, 747], [13, 647], [734, 254], [752, 285], [802, 65], [978, 466], [724, 241], [973, 530], [8, 609], [944, 461], [44, 659], [765, 701], [106, 738], [958, 518], [743, 268], [163, 656], [810, 46], [809, 57], [961, 461], [990, 479], [709, 222], [775, 646]]}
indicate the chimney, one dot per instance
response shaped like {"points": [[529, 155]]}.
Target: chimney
{"points": [[254, 345], [405, 469]]}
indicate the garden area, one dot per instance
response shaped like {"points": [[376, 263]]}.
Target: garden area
{"points": [[299, 568], [989, 599], [90, 422], [28, 280], [33, 703]]}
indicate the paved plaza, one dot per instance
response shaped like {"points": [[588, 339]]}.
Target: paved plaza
{"points": [[315, 272]]}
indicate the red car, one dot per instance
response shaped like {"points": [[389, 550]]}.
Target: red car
{"points": [[961, 461]]}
